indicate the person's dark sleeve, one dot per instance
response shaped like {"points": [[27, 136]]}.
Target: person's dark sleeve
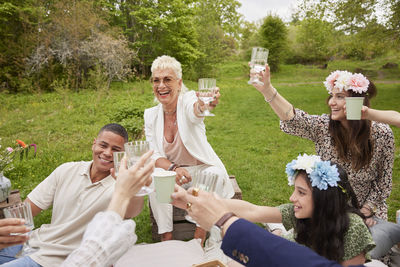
{"points": [[253, 246]]}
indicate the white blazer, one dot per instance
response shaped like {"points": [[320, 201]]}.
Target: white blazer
{"points": [[192, 131]]}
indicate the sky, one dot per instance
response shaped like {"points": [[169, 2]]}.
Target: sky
{"points": [[253, 10]]}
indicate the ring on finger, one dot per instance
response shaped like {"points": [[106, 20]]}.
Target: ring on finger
{"points": [[195, 191], [189, 206], [183, 178]]}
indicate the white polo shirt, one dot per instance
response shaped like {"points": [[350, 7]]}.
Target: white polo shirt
{"points": [[75, 200]]}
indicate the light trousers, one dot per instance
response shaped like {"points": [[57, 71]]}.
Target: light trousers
{"points": [[385, 235]]}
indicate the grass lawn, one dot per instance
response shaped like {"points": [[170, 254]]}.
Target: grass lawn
{"points": [[244, 133]]}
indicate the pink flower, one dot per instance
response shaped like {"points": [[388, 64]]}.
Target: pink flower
{"points": [[9, 149], [344, 80], [331, 79], [358, 83]]}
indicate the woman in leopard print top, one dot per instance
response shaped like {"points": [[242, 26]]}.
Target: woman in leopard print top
{"points": [[365, 149]]}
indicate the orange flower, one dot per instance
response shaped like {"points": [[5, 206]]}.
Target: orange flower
{"points": [[21, 143]]}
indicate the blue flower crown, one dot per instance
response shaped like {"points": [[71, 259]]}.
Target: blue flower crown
{"points": [[321, 173]]}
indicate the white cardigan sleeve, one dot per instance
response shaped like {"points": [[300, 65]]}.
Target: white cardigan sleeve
{"points": [[150, 116], [106, 239]]}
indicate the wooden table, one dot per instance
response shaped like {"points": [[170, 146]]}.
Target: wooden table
{"points": [[13, 199]]}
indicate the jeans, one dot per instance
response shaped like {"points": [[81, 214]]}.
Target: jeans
{"points": [[7, 258], [385, 235]]}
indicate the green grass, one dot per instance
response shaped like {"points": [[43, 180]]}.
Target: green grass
{"points": [[244, 133]]}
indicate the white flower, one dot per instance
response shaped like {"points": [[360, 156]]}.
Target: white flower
{"points": [[343, 81], [306, 162]]}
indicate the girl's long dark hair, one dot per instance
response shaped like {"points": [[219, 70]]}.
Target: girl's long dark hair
{"points": [[324, 232], [357, 138]]}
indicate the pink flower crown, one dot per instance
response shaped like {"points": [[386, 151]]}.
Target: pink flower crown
{"points": [[344, 80]]}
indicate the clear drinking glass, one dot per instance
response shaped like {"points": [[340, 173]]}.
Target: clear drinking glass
{"points": [[206, 181], [117, 157], [206, 92], [22, 211], [259, 57], [134, 150]]}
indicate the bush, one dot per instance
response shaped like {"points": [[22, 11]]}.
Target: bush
{"points": [[130, 115], [274, 37], [314, 41]]}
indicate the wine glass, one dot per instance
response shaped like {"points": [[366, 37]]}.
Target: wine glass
{"points": [[117, 157], [134, 150], [206, 92], [206, 181], [259, 57], [22, 211]]}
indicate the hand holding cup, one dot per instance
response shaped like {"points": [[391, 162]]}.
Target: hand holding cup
{"points": [[205, 209]]}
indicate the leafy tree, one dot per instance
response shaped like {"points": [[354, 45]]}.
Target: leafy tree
{"points": [[154, 28], [393, 22], [345, 15], [365, 44], [18, 20], [72, 41], [366, 34], [217, 26], [274, 37], [314, 41]]}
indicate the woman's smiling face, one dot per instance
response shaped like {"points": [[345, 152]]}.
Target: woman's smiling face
{"points": [[166, 86], [302, 198], [336, 103]]}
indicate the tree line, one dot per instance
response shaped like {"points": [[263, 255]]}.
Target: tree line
{"points": [[48, 45]]}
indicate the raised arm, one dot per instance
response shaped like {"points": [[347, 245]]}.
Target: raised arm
{"points": [[280, 105], [386, 116]]}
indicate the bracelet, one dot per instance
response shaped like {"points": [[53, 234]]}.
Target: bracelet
{"points": [[223, 219], [172, 167], [272, 98]]}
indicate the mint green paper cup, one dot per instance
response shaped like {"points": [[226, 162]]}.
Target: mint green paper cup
{"points": [[164, 183], [353, 107]]}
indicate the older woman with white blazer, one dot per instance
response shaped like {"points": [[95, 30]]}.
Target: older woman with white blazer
{"points": [[176, 132]]}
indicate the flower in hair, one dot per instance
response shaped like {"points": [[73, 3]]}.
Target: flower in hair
{"points": [[344, 80], [303, 162], [291, 172], [324, 174], [321, 173], [358, 83]]}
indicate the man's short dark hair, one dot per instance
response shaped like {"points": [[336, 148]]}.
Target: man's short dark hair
{"points": [[115, 128]]}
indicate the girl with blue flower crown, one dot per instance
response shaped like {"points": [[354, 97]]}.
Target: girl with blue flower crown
{"points": [[324, 213]]}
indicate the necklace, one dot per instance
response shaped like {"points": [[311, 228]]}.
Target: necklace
{"points": [[169, 112]]}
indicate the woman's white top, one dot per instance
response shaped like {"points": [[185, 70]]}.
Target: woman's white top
{"points": [[192, 132]]}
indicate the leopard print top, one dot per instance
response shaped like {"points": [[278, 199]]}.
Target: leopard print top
{"points": [[372, 183]]}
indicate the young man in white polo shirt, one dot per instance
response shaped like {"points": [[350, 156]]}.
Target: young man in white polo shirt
{"points": [[76, 191]]}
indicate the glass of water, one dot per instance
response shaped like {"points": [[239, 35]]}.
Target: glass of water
{"points": [[206, 181], [22, 211], [117, 157], [134, 150], [207, 88], [259, 57]]}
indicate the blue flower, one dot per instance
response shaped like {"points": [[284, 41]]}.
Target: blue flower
{"points": [[290, 171], [324, 174]]}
